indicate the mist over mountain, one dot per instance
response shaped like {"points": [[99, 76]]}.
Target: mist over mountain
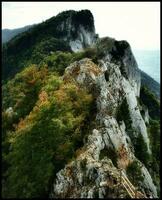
{"points": [[80, 119]]}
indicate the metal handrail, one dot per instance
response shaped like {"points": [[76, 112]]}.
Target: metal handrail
{"points": [[132, 191]]}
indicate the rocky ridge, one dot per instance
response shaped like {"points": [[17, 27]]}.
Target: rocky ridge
{"points": [[114, 81], [116, 78], [88, 170]]}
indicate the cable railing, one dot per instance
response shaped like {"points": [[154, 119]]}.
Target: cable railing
{"points": [[132, 191]]}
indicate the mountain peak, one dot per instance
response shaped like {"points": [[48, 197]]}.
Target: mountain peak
{"points": [[76, 27]]}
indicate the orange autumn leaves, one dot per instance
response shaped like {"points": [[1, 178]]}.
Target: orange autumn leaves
{"points": [[72, 101]]}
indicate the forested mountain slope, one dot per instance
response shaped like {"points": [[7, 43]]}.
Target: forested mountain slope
{"points": [[8, 34]]}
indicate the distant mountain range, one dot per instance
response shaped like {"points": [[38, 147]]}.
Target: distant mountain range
{"points": [[149, 62], [8, 34]]}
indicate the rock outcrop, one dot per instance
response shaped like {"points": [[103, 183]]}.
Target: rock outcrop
{"points": [[84, 176], [77, 28]]}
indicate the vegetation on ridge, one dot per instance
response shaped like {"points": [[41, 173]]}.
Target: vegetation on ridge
{"points": [[44, 140], [34, 44], [148, 99]]}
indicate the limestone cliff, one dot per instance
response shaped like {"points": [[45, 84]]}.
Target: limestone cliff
{"points": [[84, 176], [115, 80], [77, 28]]}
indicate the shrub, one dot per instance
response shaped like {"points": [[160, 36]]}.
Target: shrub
{"points": [[110, 153], [21, 93], [148, 99], [46, 139], [134, 172], [154, 167], [83, 165], [123, 114], [141, 150], [58, 61]]}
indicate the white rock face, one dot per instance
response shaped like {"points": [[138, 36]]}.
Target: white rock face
{"points": [[76, 45], [137, 121], [134, 74], [85, 176], [148, 183], [9, 111], [146, 116], [84, 39], [76, 34]]}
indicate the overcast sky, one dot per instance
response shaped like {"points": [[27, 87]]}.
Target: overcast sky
{"points": [[136, 22]]}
